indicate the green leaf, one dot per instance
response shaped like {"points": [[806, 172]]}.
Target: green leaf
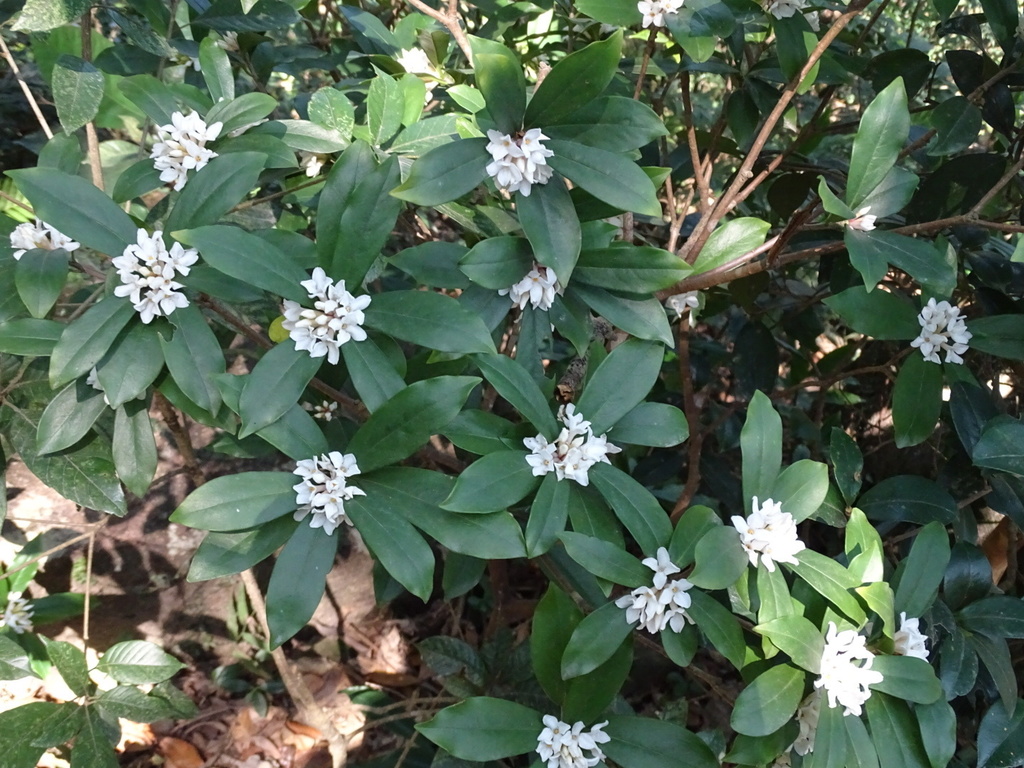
{"points": [[690, 529], [77, 91], [44, 15], [70, 663], [498, 262], [495, 482], [274, 386], [801, 488], [151, 96], [957, 123], [136, 180], [93, 747], [445, 173], [872, 252], [994, 654], [938, 732], [608, 176], [634, 505], [878, 314], [636, 269], [131, 703], [830, 740], [513, 383], [644, 318], [40, 276], [245, 110], [482, 728], [303, 136], [237, 502], [215, 189], [614, 12], [194, 357], [373, 374], [395, 543], [298, 580], [30, 337], [730, 241], [881, 135], [653, 424], [907, 678], [384, 105], [137, 662], [894, 730], [761, 446], [719, 626], [999, 447], [588, 696], [249, 258], [248, 16], [847, 463], [68, 417], [761, 750], [773, 594], [680, 646], [620, 383], [594, 640], [606, 560], [644, 742], [574, 82], [130, 366], [133, 447], [615, 123], [720, 559], [14, 661], [223, 554], [216, 68], [1000, 737], [332, 109], [434, 263], [924, 569], [551, 225], [408, 419], [769, 702], [998, 616], [863, 549], [999, 335], [84, 342], [84, 475], [548, 515], [429, 319], [829, 579], [422, 136], [892, 196], [909, 499], [499, 76], [76, 208]]}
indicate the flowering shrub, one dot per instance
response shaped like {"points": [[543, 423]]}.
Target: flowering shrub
{"points": [[578, 296]]}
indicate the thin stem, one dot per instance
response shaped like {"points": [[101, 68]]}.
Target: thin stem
{"points": [[25, 89], [92, 142], [256, 201], [648, 50], [692, 412], [703, 188], [17, 202], [450, 20]]}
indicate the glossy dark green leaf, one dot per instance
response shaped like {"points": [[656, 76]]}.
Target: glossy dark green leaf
{"points": [[878, 314], [644, 318], [238, 502], [137, 662], [435, 263], [550, 223], [636, 269], [769, 701], [644, 742], [634, 505], [894, 730], [761, 446], [40, 276], [495, 482], [30, 337], [84, 342], [134, 448], [612, 12], [429, 319], [246, 109], [690, 529], [498, 262], [847, 463], [14, 661], [395, 543], [373, 375], [925, 566], [957, 123], [830, 740], [958, 665], [1000, 737], [801, 488], [21, 726], [608, 176], [719, 626], [483, 728], [620, 383], [445, 173], [93, 746], [615, 123], [223, 554], [830, 580], [136, 180], [298, 580], [998, 616], [274, 386], [594, 640], [994, 654], [131, 365], [150, 95], [880, 137], [575, 81], [68, 417], [606, 560], [907, 678], [909, 499], [916, 401], [548, 515], [731, 241], [193, 356], [216, 68], [70, 663], [499, 76], [214, 190], [654, 424], [720, 559], [303, 136], [999, 335]]}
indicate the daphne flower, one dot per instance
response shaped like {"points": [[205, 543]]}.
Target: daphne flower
{"points": [[769, 533], [681, 303], [182, 147], [17, 616], [336, 318], [784, 9], [561, 745], [147, 270], [312, 162], [846, 670], [807, 718], [862, 220], [538, 289], [942, 328], [324, 489], [654, 11], [574, 451], [40, 235], [517, 163], [909, 640], [324, 411], [665, 604]]}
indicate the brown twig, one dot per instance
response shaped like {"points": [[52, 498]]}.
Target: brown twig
{"points": [[692, 419], [16, 202], [451, 21], [25, 89], [699, 177], [181, 438]]}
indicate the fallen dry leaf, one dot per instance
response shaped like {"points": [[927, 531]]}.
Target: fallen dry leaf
{"points": [[179, 754]]}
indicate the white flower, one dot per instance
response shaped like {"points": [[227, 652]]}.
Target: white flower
{"points": [[807, 718], [942, 328], [770, 533], [784, 9], [228, 42], [17, 616], [312, 162], [336, 318], [324, 489], [909, 640], [561, 745], [517, 163], [665, 604], [147, 270], [182, 147], [862, 220], [844, 679], [538, 289], [416, 61], [324, 411], [29, 236], [654, 11], [681, 303], [574, 452]]}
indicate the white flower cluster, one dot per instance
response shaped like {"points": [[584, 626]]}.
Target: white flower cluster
{"points": [[538, 288], [29, 236], [324, 489], [909, 640], [844, 679], [654, 11], [942, 329], [336, 318], [182, 147], [312, 162], [681, 303], [416, 62], [561, 745], [573, 453], [769, 533], [664, 604], [324, 411], [862, 220], [518, 163], [784, 9], [17, 616], [147, 271], [807, 718]]}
